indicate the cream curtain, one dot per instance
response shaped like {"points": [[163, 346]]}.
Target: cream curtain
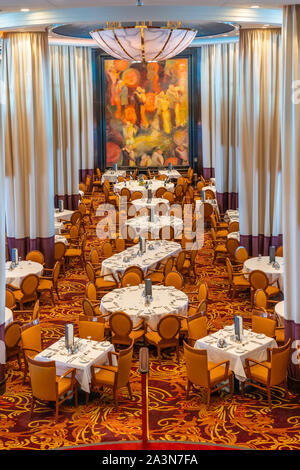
{"points": [[26, 142], [219, 98], [291, 175], [2, 273], [72, 103], [260, 139]]}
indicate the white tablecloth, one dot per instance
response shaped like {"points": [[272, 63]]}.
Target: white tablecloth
{"points": [[231, 215], [235, 235], [8, 316], [173, 174], [60, 238], [66, 215], [57, 227], [116, 264], [255, 348], [199, 203], [279, 310], [154, 202], [135, 186], [273, 274], [91, 351], [166, 300], [16, 275], [111, 175], [142, 224]]}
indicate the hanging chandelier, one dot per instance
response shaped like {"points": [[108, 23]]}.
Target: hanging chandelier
{"points": [[144, 42]]}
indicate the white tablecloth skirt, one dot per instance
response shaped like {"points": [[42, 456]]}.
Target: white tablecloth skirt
{"points": [[16, 276]]}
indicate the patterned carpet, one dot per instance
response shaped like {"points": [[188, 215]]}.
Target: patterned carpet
{"points": [[241, 421]]}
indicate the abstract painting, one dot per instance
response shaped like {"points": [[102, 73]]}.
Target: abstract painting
{"points": [[147, 113]]}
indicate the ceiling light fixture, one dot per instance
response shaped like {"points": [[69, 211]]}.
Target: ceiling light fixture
{"points": [[144, 42], [24, 9]]}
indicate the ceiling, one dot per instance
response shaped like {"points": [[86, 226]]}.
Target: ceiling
{"points": [[74, 17]]}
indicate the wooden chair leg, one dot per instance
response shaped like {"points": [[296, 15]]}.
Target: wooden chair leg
{"points": [[87, 396], [231, 385], [129, 391], [188, 389]]}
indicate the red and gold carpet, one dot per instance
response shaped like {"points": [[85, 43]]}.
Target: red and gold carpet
{"points": [[244, 422]]}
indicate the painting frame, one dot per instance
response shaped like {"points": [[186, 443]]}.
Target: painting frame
{"points": [[99, 60]]}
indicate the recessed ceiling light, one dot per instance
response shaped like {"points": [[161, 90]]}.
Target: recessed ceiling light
{"points": [[265, 25], [255, 6], [24, 9]]}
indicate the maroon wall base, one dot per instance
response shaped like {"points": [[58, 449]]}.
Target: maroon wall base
{"points": [[24, 245], [208, 173], [2, 366], [260, 244], [71, 201], [227, 201]]}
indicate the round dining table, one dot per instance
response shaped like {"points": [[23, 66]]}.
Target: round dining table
{"points": [[150, 204], [131, 300], [262, 263], [142, 224], [16, 275], [235, 235], [65, 215]]}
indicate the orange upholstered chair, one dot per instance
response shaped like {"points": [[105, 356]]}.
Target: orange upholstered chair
{"points": [[130, 279], [220, 232], [50, 283], [122, 329], [259, 280], [236, 280], [120, 245], [160, 192], [264, 323], [28, 290], [166, 335], [12, 339], [197, 327], [77, 250], [35, 256], [59, 253], [205, 374], [47, 386], [31, 341], [91, 327], [231, 245], [102, 285], [209, 194], [137, 270], [157, 276], [136, 195], [175, 279], [234, 226], [270, 373], [218, 246], [10, 299], [241, 254], [115, 377], [279, 251]]}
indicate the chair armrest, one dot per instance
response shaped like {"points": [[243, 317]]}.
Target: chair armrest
{"points": [[95, 366], [220, 364], [248, 359], [147, 325], [10, 286], [141, 322], [70, 371]]}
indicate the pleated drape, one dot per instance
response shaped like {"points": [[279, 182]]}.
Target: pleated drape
{"points": [[72, 103], [291, 176], [219, 98], [260, 186], [2, 272], [26, 143]]}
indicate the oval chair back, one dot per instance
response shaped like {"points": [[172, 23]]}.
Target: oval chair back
{"points": [[90, 271], [91, 291], [120, 244], [173, 278], [241, 254], [35, 256], [29, 285], [59, 251], [130, 279], [137, 270], [121, 326], [260, 299], [258, 280], [231, 245], [234, 227], [10, 299], [88, 308], [168, 327]]}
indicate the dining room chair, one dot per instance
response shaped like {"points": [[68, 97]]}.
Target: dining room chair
{"points": [[221, 223], [130, 279], [234, 226], [114, 377], [166, 335], [36, 256], [279, 251], [28, 290], [158, 275], [207, 211], [122, 329], [200, 309], [31, 342], [259, 280], [175, 279], [34, 312], [47, 386], [160, 192], [59, 253], [77, 250], [169, 196], [49, 282], [209, 194], [220, 232], [269, 373], [125, 192], [231, 245], [167, 233], [205, 374], [120, 245], [136, 195], [237, 281], [137, 270], [91, 327], [10, 299], [241, 254], [102, 284], [12, 340], [262, 322], [219, 247], [198, 296], [196, 327], [86, 213], [107, 249], [150, 176]]}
